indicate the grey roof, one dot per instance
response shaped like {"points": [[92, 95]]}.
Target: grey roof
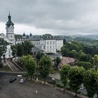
{"points": [[35, 49], [35, 37], [43, 37]]}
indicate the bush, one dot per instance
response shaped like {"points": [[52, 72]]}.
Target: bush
{"points": [[59, 85]]}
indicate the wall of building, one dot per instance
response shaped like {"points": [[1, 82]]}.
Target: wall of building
{"points": [[59, 44]]}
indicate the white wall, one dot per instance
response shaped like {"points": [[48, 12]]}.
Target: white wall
{"points": [[59, 44], [8, 53], [48, 46], [10, 34]]}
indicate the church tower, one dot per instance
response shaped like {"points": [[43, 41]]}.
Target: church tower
{"points": [[10, 30]]}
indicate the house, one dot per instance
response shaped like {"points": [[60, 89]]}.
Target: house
{"points": [[67, 60]]}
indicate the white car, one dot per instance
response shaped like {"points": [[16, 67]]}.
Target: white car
{"points": [[21, 81]]}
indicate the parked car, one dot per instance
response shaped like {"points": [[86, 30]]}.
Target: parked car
{"points": [[12, 80], [22, 81]]}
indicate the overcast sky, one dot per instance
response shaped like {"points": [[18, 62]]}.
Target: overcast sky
{"points": [[62, 17]]}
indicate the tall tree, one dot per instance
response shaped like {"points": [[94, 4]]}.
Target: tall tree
{"points": [[14, 50], [45, 67], [90, 81], [39, 55], [30, 64], [57, 61], [64, 75], [76, 78], [95, 61], [27, 47], [3, 45], [23, 48]]}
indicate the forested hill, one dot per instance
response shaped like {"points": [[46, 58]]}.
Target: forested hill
{"points": [[84, 40]]}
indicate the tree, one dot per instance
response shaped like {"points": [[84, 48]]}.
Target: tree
{"points": [[3, 45], [14, 50], [45, 67], [95, 61], [90, 81], [29, 64], [84, 57], [57, 61], [76, 78], [39, 56], [86, 65], [23, 48], [64, 75], [27, 47]]}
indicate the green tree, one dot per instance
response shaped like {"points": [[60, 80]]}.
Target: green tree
{"points": [[84, 57], [23, 48], [45, 67], [95, 61], [29, 64], [19, 49], [64, 75], [27, 47], [86, 65], [90, 81], [14, 50], [57, 61], [76, 78], [3, 45], [39, 56]]}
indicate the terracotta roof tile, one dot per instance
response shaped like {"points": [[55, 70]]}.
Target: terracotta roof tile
{"points": [[66, 60]]}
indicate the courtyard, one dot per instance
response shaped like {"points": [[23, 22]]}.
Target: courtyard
{"points": [[29, 89]]}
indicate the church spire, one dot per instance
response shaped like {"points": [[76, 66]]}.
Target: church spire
{"points": [[9, 23], [9, 17]]}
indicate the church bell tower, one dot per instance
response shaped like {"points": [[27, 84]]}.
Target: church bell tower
{"points": [[10, 30]]}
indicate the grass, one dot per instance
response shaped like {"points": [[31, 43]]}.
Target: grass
{"points": [[54, 71], [5, 68]]}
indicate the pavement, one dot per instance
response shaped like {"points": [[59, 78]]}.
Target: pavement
{"points": [[29, 89]]}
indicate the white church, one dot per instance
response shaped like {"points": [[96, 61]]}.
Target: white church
{"points": [[9, 37], [46, 43]]}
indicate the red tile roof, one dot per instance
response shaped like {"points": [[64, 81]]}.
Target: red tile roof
{"points": [[67, 60]]}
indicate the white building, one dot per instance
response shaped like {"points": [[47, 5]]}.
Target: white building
{"points": [[10, 30], [47, 43], [9, 37]]}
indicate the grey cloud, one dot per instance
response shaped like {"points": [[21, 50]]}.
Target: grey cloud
{"points": [[62, 16]]}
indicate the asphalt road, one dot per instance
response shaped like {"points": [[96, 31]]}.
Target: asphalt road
{"points": [[28, 89]]}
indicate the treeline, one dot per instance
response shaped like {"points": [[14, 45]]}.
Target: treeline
{"points": [[87, 41], [79, 51]]}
